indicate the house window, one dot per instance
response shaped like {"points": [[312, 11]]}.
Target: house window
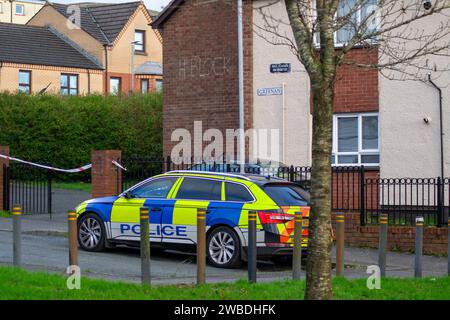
{"points": [[1, 7], [356, 139], [144, 86], [69, 84], [139, 38], [115, 86], [363, 15], [24, 81], [20, 10], [159, 85]]}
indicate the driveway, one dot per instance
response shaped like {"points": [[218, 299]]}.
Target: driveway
{"points": [[45, 248]]}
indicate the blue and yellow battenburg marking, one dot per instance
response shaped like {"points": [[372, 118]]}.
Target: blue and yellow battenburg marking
{"points": [[178, 218]]}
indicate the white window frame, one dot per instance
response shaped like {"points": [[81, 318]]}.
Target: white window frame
{"points": [[337, 44], [361, 151], [21, 6]]}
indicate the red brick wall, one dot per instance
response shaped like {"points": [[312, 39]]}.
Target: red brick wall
{"points": [[399, 238], [106, 178], [356, 89], [201, 67], [126, 81]]}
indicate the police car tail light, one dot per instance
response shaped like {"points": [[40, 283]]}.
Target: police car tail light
{"points": [[267, 217]]}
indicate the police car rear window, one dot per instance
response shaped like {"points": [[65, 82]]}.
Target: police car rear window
{"points": [[200, 189], [287, 195]]}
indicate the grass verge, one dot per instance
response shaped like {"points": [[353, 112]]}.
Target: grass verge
{"points": [[20, 284], [72, 186]]}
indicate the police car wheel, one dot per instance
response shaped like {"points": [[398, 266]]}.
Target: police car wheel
{"points": [[223, 248], [91, 233]]}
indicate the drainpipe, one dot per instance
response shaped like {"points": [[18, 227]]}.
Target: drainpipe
{"points": [[241, 86], [11, 5], [89, 81], [440, 124], [106, 69]]}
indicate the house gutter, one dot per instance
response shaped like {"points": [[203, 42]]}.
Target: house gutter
{"points": [[440, 124]]}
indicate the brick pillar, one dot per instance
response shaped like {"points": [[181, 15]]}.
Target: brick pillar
{"points": [[5, 151], [106, 177]]}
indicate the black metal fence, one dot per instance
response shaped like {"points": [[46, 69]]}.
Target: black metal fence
{"points": [[354, 188], [405, 199], [29, 186]]}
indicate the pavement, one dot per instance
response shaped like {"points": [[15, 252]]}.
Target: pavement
{"points": [[45, 247]]}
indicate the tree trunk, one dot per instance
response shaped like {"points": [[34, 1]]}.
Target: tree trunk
{"points": [[318, 268]]}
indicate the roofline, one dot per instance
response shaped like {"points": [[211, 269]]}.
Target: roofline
{"points": [[166, 13], [51, 65]]}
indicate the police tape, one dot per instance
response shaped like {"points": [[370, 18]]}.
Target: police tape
{"points": [[118, 165], [80, 169]]}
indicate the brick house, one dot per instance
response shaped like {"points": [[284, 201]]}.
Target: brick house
{"points": [[106, 32], [28, 66], [378, 122], [390, 127], [19, 11]]}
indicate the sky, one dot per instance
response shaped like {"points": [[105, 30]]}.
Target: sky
{"points": [[150, 4]]}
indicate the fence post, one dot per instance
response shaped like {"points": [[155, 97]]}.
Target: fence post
{"points": [[291, 174], [49, 193], [362, 195], [4, 183], [252, 246], [297, 254], [104, 173], [168, 163], [17, 235], [6, 188], [383, 225], [340, 230], [448, 247], [145, 246], [201, 245], [419, 248], [440, 199], [73, 247]]}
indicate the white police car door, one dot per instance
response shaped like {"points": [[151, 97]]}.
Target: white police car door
{"points": [[125, 217]]}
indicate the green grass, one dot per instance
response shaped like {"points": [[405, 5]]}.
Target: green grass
{"points": [[72, 186], [20, 284], [5, 214]]}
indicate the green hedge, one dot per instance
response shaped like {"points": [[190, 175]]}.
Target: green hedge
{"points": [[64, 130]]}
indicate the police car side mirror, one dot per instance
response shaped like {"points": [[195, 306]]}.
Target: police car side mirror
{"points": [[128, 195]]}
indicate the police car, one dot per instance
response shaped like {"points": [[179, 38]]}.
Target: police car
{"points": [[173, 199]]}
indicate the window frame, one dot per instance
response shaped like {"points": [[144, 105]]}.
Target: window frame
{"points": [[119, 88], [21, 6], [156, 85], [24, 84], [316, 36], [175, 196], [148, 86], [69, 87], [224, 188], [143, 41], [361, 151], [144, 183]]}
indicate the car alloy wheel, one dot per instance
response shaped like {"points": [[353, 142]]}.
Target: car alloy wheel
{"points": [[223, 248], [90, 233]]}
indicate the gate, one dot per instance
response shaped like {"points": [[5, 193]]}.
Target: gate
{"points": [[29, 186]]}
